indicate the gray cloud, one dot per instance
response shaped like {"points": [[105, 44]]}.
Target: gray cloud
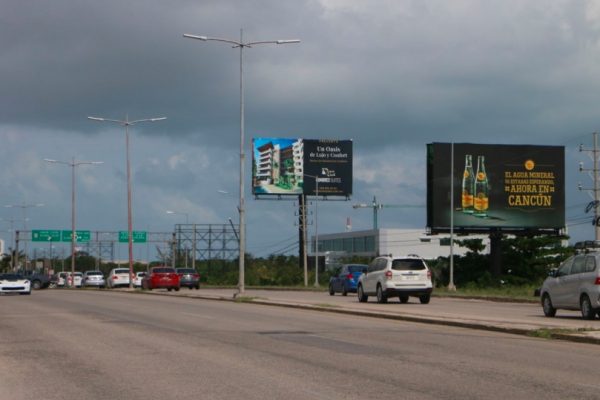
{"points": [[392, 75]]}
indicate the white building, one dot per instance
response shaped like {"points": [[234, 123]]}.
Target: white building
{"points": [[375, 242]]}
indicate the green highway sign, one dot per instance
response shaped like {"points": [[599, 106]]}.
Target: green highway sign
{"points": [[80, 236], [136, 236], [45, 235]]}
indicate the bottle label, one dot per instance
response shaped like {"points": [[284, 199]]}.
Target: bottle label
{"points": [[467, 200], [481, 202], [481, 176]]}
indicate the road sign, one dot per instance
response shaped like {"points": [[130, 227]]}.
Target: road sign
{"points": [[80, 236], [137, 236], [38, 235]]}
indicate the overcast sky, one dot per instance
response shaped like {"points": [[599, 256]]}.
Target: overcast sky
{"points": [[391, 75]]}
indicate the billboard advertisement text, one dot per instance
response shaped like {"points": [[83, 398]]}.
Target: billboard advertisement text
{"points": [[293, 166], [495, 187]]}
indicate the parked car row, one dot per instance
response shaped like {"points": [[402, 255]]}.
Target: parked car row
{"points": [[157, 277], [385, 277]]}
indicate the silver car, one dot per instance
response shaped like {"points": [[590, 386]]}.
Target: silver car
{"points": [[93, 278], [575, 285]]}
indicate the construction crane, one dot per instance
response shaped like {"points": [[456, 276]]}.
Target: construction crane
{"points": [[378, 206]]}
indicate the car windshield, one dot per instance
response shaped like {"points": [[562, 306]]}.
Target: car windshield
{"points": [[407, 264], [186, 271], [10, 277]]}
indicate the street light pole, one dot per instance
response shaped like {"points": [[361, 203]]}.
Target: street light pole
{"points": [[241, 209], [73, 164], [126, 123], [24, 207]]}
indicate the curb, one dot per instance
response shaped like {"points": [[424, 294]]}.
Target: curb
{"points": [[551, 333]]}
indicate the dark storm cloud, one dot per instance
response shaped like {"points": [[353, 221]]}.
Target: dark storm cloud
{"points": [[403, 72], [391, 75]]}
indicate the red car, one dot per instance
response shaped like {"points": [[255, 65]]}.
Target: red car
{"points": [[161, 277]]}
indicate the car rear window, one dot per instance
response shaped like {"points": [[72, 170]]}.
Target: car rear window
{"points": [[90, 273], [356, 268], [121, 271], [163, 270], [186, 271], [407, 264]]}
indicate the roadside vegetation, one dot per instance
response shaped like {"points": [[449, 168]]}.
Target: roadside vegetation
{"points": [[526, 262]]}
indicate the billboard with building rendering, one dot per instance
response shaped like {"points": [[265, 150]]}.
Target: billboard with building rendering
{"points": [[293, 166], [509, 188]]}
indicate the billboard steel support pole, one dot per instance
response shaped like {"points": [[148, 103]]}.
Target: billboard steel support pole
{"points": [[451, 285]]}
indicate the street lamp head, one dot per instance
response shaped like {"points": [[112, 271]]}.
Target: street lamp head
{"points": [[50, 160], [170, 212], [96, 119], [287, 41], [157, 119], [187, 35]]}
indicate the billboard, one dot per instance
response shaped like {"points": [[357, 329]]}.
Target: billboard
{"points": [[495, 187], [294, 166]]}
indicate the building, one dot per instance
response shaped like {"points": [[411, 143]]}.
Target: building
{"points": [[375, 242]]}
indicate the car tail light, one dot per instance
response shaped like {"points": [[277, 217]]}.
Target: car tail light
{"points": [[429, 274], [597, 282], [388, 274], [115, 278], [349, 276], [196, 275]]}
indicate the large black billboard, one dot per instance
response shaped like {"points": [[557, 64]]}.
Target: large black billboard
{"points": [[291, 166], [509, 188]]}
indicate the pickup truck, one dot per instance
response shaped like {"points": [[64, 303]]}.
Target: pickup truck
{"points": [[38, 281]]}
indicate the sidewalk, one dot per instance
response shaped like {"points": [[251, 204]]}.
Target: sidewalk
{"points": [[515, 318]]}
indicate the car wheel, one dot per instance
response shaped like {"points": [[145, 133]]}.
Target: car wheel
{"points": [[403, 299], [177, 289], [36, 285], [344, 291], [362, 297], [549, 310], [197, 286], [169, 289], [424, 298], [331, 291], [381, 297], [587, 312]]}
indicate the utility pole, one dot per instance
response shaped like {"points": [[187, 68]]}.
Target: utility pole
{"points": [[593, 173]]}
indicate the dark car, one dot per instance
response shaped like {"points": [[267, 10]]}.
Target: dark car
{"points": [[38, 280], [161, 277], [188, 277], [346, 279]]}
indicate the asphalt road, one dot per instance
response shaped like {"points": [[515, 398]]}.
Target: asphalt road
{"points": [[59, 344]]}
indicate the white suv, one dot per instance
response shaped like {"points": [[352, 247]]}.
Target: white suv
{"points": [[390, 276]]}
